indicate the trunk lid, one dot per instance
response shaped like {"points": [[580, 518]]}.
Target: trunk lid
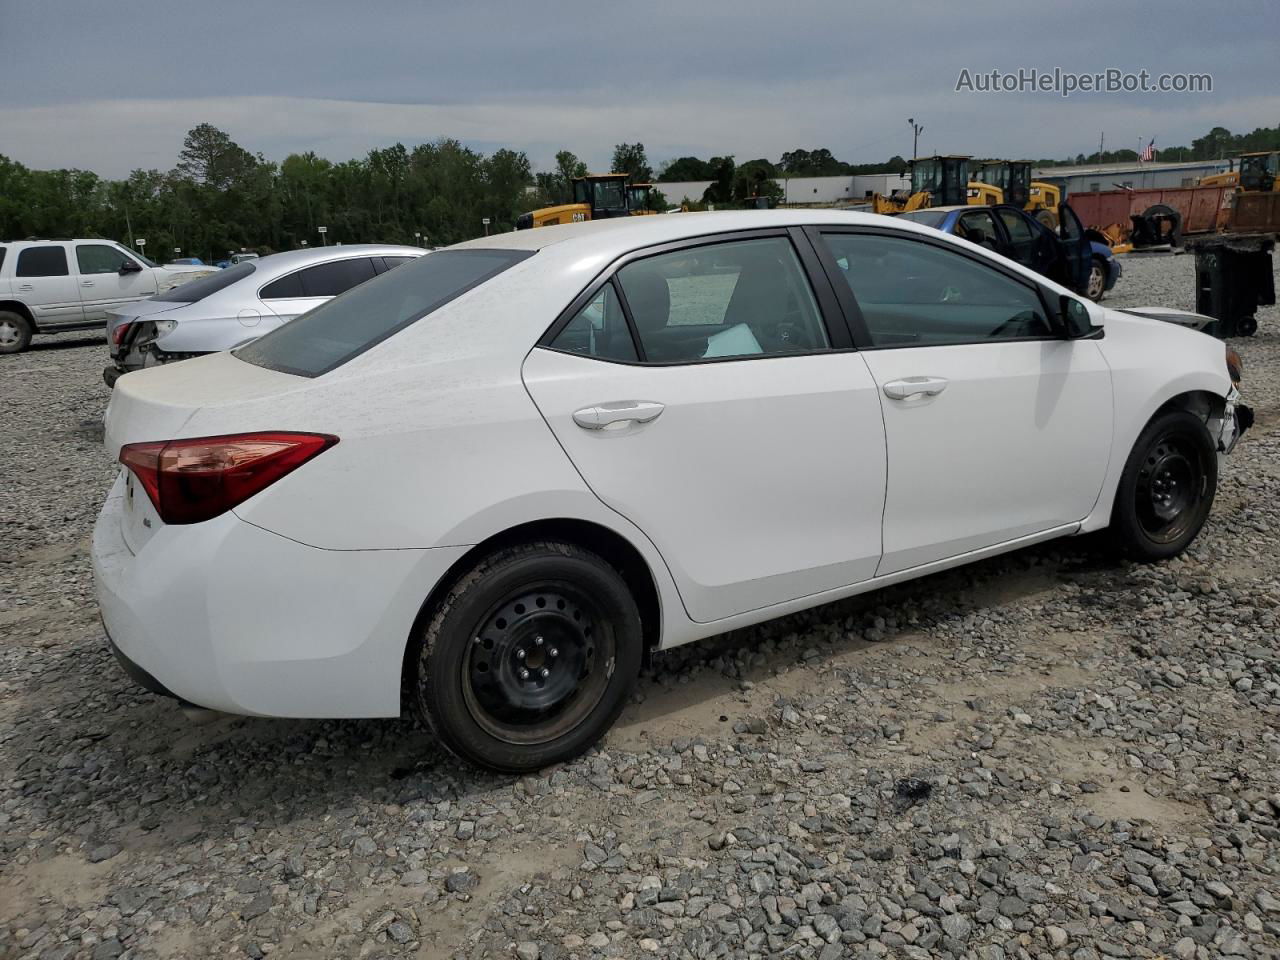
{"points": [[159, 403]]}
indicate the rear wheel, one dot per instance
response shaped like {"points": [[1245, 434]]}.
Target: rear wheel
{"points": [[1097, 280], [1167, 488], [530, 657], [1048, 217], [15, 332]]}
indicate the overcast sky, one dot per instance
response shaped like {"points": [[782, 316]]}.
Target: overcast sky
{"points": [[110, 86]]}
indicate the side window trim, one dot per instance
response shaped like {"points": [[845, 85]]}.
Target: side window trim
{"points": [[828, 310], [845, 295]]}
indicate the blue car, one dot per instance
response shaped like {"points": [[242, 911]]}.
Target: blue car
{"points": [[1068, 256]]}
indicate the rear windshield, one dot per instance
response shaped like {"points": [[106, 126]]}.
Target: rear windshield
{"points": [[930, 218], [349, 324], [194, 291]]}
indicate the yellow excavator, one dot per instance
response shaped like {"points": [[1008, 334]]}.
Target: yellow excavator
{"points": [[1256, 172], [597, 196], [941, 181], [1013, 179]]}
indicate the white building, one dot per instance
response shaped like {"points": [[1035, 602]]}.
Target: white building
{"points": [[800, 191], [1132, 175]]}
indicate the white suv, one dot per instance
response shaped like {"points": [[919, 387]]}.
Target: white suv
{"points": [[47, 286]]}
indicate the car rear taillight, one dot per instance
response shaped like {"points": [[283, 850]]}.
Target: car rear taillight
{"points": [[120, 332], [197, 479]]}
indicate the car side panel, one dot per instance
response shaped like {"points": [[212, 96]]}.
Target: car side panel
{"points": [[1151, 362]]}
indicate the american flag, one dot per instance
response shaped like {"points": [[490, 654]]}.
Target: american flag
{"points": [[1148, 152]]}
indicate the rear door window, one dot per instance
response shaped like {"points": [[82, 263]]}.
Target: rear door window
{"points": [[738, 299], [288, 287], [42, 262], [331, 279], [346, 326]]}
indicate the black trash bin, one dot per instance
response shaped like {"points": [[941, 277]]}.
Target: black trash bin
{"points": [[1234, 277]]}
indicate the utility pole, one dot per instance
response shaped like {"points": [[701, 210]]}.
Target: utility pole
{"points": [[916, 130], [1102, 137]]}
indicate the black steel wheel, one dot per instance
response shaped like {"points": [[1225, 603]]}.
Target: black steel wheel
{"points": [[1167, 488], [529, 658]]}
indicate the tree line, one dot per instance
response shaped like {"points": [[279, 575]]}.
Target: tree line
{"points": [[221, 198]]}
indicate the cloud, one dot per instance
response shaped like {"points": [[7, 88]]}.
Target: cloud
{"points": [[115, 136]]}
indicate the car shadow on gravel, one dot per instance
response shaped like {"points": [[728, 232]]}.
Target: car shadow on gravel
{"points": [[175, 781], [91, 339]]}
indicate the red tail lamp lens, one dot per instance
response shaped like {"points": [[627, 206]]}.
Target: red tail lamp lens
{"points": [[193, 480]]}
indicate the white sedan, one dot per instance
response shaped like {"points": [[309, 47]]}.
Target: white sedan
{"points": [[485, 483]]}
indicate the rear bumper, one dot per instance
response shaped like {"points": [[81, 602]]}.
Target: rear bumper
{"points": [[228, 616]]}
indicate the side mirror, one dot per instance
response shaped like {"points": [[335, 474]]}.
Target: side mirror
{"points": [[130, 266], [1074, 317]]}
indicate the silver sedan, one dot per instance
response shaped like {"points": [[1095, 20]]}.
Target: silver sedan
{"points": [[238, 304]]}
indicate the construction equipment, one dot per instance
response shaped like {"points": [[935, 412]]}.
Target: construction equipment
{"points": [[1013, 178], [597, 196], [638, 199], [1258, 172], [941, 181]]}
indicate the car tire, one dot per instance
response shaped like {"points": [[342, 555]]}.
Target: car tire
{"points": [[1048, 217], [1096, 288], [15, 332], [1166, 489], [529, 658]]}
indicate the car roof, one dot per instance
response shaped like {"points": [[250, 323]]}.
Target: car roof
{"points": [[620, 234], [275, 264]]}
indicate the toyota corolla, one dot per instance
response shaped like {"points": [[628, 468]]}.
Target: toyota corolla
{"points": [[484, 484]]}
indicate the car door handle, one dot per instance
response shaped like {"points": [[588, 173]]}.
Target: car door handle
{"points": [[86, 283], [624, 411], [910, 387], [25, 286]]}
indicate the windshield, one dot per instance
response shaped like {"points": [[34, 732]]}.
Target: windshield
{"points": [[609, 195], [926, 175], [930, 218], [364, 316], [197, 290]]}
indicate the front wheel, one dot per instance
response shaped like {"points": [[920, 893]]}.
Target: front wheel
{"points": [[1167, 488], [529, 659], [15, 332], [1097, 285]]}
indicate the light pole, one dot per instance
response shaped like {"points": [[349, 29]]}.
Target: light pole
{"points": [[485, 221], [417, 237], [916, 130], [324, 240], [142, 245]]}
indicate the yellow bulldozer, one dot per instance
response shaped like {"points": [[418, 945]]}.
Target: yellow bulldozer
{"points": [[1256, 172], [597, 196], [1013, 179], [941, 181]]}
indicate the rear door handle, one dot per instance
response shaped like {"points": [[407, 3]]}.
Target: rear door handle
{"points": [[86, 283], [910, 387], [605, 414]]}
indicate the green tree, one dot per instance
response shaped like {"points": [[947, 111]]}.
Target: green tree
{"points": [[629, 158], [686, 168]]}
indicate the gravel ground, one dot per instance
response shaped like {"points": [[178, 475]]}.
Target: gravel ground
{"points": [[1047, 754]]}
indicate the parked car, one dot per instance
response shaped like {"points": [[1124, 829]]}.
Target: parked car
{"points": [[1068, 256], [497, 476], [231, 306], [242, 257], [188, 261], [48, 286]]}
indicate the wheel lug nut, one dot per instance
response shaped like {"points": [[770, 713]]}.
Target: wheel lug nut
{"points": [[524, 674], [545, 673], [519, 654], [552, 652], [538, 641]]}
